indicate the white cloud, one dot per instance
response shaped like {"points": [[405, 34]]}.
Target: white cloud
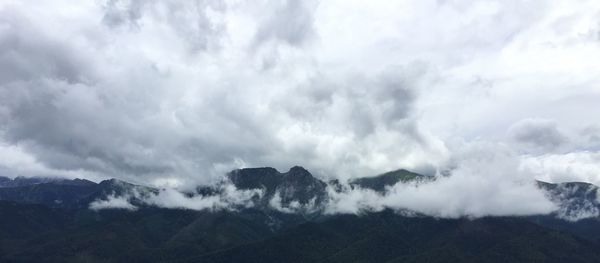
{"points": [[113, 202], [294, 206], [228, 198], [15, 161], [486, 182], [568, 167]]}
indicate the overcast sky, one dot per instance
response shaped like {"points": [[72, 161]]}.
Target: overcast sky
{"points": [[179, 92]]}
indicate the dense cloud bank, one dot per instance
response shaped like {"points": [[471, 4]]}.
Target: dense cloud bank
{"points": [[486, 182], [176, 93]]}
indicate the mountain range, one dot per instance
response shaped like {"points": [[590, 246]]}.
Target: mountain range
{"points": [[284, 220]]}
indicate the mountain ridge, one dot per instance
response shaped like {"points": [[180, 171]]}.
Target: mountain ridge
{"points": [[295, 188], [39, 227]]}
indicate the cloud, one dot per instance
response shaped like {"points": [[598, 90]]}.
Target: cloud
{"points": [[294, 206], [227, 198], [118, 12], [289, 21], [588, 210], [486, 181], [577, 202], [570, 167], [15, 161], [88, 98], [112, 202], [537, 135]]}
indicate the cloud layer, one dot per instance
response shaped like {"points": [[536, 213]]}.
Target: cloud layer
{"points": [[486, 182]]}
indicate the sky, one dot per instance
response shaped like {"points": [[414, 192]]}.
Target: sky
{"points": [[172, 93]]}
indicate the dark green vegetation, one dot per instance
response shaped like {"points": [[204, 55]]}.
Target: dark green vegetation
{"points": [[48, 221], [387, 237], [33, 232]]}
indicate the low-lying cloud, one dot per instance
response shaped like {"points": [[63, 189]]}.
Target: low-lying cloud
{"points": [[485, 182], [113, 202], [227, 198]]}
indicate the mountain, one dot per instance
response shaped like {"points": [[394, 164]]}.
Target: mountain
{"points": [[26, 181], [4, 181], [296, 189], [579, 209], [65, 193], [380, 182], [577, 200], [49, 220]]}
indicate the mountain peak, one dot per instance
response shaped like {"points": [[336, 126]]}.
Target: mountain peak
{"points": [[380, 182], [296, 185], [268, 177], [255, 178], [257, 169], [297, 168], [112, 181]]}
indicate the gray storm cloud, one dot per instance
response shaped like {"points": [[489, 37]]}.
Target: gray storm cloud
{"points": [[176, 93], [537, 135]]}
